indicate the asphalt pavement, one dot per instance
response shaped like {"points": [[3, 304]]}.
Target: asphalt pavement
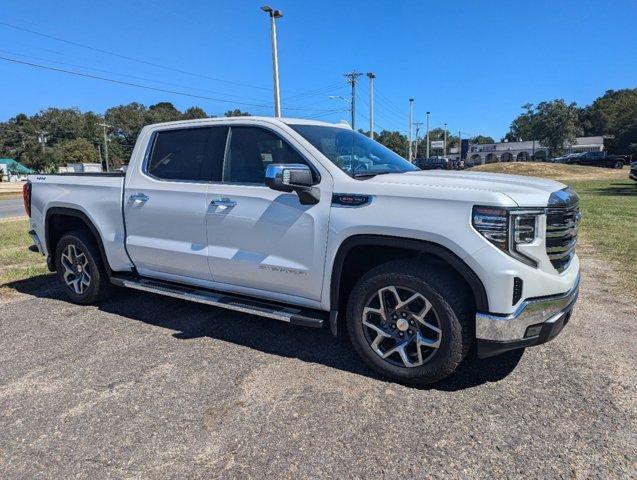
{"points": [[143, 386], [12, 207]]}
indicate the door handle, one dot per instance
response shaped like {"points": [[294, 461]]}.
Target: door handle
{"points": [[139, 197], [223, 202]]}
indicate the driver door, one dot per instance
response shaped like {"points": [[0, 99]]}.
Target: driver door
{"points": [[260, 240]]}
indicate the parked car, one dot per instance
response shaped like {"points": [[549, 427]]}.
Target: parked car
{"points": [[434, 163], [633, 171], [596, 159], [262, 216]]}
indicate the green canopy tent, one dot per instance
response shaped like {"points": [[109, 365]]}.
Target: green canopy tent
{"points": [[15, 168]]}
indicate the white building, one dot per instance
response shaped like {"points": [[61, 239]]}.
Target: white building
{"points": [[527, 151]]}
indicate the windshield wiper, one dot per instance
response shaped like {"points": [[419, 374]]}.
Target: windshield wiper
{"points": [[371, 174]]}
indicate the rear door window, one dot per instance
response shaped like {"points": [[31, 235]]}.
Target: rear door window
{"points": [[188, 154]]}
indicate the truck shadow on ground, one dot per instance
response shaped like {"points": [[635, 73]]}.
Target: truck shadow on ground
{"points": [[191, 320], [617, 189]]}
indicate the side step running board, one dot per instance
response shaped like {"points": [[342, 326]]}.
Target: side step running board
{"points": [[294, 315]]}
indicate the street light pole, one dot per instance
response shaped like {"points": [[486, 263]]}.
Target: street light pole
{"points": [[427, 134], [411, 109], [105, 126], [371, 77], [274, 14]]}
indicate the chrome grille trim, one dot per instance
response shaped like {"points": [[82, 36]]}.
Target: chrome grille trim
{"points": [[562, 224]]}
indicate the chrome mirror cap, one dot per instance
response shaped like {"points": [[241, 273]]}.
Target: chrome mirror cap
{"points": [[287, 177]]}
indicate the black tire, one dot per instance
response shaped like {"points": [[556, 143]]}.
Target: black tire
{"points": [[452, 307], [619, 164], [85, 247]]}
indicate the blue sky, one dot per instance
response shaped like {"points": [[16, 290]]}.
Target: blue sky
{"points": [[471, 63]]}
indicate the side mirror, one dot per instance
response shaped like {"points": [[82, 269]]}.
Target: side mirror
{"points": [[288, 177], [292, 177]]}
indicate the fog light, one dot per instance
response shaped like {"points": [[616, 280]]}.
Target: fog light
{"points": [[533, 330]]}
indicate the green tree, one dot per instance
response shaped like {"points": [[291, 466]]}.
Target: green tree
{"points": [[551, 123], [126, 122], [162, 112], [78, 150], [556, 124], [482, 140], [613, 114], [195, 112], [236, 113], [395, 141], [523, 126]]}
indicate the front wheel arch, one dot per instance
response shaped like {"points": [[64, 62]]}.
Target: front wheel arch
{"points": [[402, 248]]}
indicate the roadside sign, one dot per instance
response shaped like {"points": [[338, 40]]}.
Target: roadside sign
{"points": [[438, 144]]}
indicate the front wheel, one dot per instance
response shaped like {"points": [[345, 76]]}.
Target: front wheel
{"points": [[80, 269], [619, 164], [410, 322]]}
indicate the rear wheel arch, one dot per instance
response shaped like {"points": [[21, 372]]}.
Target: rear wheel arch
{"points": [[62, 220], [345, 269]]}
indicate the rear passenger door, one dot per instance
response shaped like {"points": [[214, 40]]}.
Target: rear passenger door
{"points": [[165, 203]]}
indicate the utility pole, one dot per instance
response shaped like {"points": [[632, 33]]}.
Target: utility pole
{"points": [[444, 152], [418, 124], [371, 77], [274, 14], [428, 134], [459, 146], [105, 126], [351, 79], [411, 111]]}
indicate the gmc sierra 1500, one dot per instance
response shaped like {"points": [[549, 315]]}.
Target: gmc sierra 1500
{"points": [[309, 222]]}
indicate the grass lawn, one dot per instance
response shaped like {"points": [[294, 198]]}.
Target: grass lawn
{"points": [[16, 261], [608, 200]]}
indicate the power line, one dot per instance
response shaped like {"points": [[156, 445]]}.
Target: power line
{"points": [[127, 75], [153, 64], [147, 87], [126, 57]]}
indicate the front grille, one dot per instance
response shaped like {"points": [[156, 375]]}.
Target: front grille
{"points": [[562, 224]]}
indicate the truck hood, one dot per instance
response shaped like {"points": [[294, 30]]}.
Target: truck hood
{"points": [[525, 191]]}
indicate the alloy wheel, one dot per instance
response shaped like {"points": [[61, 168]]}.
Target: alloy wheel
{"points": [[401, 326], [77, 271]]}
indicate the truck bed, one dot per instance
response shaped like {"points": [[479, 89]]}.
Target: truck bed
{"points": [[98, 196]]}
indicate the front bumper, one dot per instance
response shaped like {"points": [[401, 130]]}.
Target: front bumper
{"points": [[537, 320]]}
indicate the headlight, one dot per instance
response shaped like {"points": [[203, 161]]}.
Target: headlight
{"points": [[507, 228]]}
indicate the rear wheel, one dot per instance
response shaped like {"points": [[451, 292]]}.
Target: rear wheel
{"points": [[619, 164], [409, 322], [80, 268]]}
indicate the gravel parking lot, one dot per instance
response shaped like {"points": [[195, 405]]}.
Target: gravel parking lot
{"points": [[146, 386]]}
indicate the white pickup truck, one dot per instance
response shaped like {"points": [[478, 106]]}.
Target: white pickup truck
{"points": [[312, 223]]}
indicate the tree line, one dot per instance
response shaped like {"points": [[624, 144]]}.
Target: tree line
{"points": [[55, 136]]}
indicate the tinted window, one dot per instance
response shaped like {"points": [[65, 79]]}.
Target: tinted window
{"points": [[251, 150], [192, 154]]}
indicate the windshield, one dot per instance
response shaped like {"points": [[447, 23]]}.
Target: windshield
{"points": [[353, 152]]}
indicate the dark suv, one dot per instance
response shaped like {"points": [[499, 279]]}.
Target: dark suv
{"points": [[433, 163], [597, 159]]}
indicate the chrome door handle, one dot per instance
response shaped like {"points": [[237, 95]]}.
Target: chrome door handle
{"points": [[139, 197], [223, 202]]}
